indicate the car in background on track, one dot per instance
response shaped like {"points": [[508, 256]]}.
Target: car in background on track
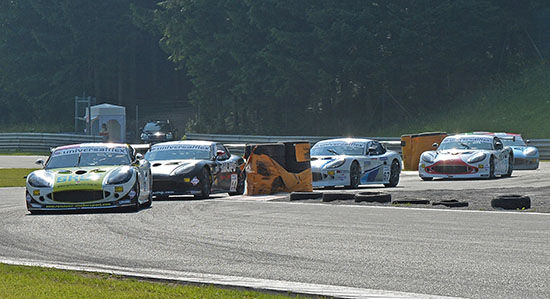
{"points": [[158, 131], [90, 176], [196, 168], [467, 156], [352, 162], [525, 157]]}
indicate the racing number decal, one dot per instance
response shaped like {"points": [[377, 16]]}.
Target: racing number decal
{"points": [[234, 182]]}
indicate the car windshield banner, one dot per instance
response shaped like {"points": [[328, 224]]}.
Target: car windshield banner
{"points": [[342, 144], [468, 140], [181, 147], [91, 150]]}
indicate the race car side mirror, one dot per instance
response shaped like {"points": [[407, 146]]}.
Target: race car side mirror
{"points": [[498, 146], [527, 141], [39, 162], [435, 144], [139, 156]]}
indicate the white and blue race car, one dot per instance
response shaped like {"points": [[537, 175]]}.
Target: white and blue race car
{"points": [[467, 156], [352, 162]]}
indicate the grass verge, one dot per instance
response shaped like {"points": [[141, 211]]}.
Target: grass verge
{"points": [[13, 177], [37, 283]]}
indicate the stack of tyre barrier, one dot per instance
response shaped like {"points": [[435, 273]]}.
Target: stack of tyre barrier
{"points": [[278, 167], [413, 145]]}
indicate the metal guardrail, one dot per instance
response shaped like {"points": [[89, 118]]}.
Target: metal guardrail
{"points": [[41, 142], [392, 143]]}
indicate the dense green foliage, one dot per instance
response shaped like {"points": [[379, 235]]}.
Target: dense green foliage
{"points": [[321, 67], [52, 51]]}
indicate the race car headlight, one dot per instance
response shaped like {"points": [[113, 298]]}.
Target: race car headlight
{"points": [[169, 135], [336, 163], [120, 175], [530, 151], [183, 169], [143, 136], [44, 179], [477, 158], [428, 157]]}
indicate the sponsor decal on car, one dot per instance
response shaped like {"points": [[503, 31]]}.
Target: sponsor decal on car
{"points": [[195, 181], [91, 149], [173, 147]]}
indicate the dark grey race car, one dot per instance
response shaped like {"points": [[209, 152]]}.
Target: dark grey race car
{"points": [[196, 168]]}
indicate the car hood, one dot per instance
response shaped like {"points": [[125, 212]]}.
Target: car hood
{"points": [[318, 162], [168, 166], [77, 178], [453, 154]]}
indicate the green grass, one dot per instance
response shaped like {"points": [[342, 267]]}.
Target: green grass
{"points": [[37, 283], [13, 177], [518, 105]]}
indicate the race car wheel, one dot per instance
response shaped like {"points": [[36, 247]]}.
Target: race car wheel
{"points": [[492, 168], [240, 185], [510, 166], [395, 170], [426, 178], [206, 185], [354, 175], [150, 197]]}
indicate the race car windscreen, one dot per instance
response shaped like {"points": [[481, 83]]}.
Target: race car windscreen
{"points": [[338, 148], [84, 157], [517, 142], [179, 152], [466, 143]]}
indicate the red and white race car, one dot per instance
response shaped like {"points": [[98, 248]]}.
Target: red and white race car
{"points": [[467, 156]]}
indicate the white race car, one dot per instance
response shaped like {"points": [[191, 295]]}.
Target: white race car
{"points": [[467, 156], [352, 162], [90, 176]]}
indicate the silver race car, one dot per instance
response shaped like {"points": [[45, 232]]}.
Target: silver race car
{"points": [[467, 156], [525, 157], [352, 162]]}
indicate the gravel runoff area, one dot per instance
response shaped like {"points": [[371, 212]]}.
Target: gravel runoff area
{"points": [[477, 192], [478, 199]]}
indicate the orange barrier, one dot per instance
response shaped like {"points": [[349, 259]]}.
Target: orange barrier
{"points": [[266, 175], [413, 145]]}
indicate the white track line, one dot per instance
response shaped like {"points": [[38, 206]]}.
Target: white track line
{"points": [[228, 281]]}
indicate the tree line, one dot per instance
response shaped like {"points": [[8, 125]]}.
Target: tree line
{"points": [[322, 67]]}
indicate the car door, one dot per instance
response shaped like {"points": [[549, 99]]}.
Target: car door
{"points": [[227, 168], [502, 155], [374, 165]]}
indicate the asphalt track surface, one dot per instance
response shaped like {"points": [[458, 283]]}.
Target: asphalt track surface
{"points": [[422, 251], [375, 250]]}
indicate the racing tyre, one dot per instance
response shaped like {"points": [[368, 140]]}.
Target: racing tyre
{"points": [[337, 196], [380, 197], [305, 195], [510, 166], [240, 185], [150, 197], [354, 176], [395, 171], [411, 201], [426, 178], [206, 185], [453, 203], [511, 202], [492, 168]]}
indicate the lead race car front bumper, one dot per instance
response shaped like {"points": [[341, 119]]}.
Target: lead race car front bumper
{"points": [[455, 168], [111, 196]]}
